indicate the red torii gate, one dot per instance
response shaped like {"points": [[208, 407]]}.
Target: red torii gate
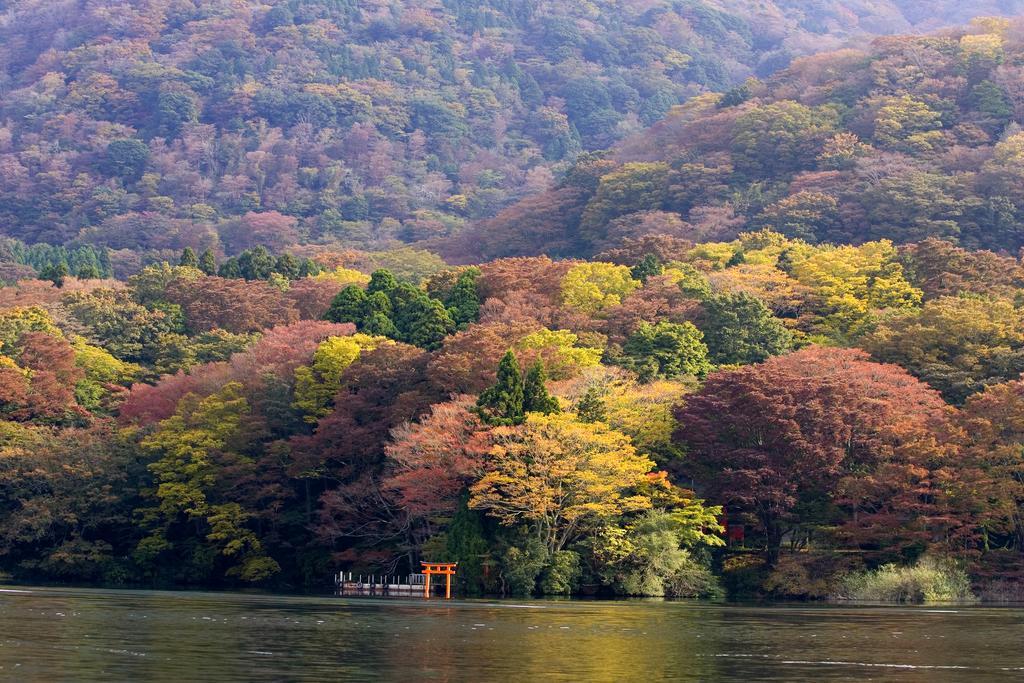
{"points": [[445, 568]]}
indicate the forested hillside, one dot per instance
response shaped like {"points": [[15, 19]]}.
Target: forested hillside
{"points": [[540, 422], [764, 341], [154, 125], [916, 138]]}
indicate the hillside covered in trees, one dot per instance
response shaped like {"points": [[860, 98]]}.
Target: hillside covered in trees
{"points": [[915, 138], [753, 334], [149, 126], [553, 426]]}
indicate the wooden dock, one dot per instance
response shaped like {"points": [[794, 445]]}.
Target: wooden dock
{"points": [[410, 585], [347, 583]]}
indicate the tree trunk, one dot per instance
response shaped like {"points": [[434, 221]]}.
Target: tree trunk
{"points": [[773, 536]]}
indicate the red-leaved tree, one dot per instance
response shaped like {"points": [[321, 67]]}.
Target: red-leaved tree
{"points": [[783, 440]]}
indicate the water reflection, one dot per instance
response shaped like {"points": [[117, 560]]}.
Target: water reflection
{"points": [[55, 634]]}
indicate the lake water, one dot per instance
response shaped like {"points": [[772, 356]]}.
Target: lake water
{"points": [[52, 634]]}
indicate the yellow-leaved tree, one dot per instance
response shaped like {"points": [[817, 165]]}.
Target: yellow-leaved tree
{"points": [[101, 369], [958, 345], [344, 276], [854, 282], [593, 287], [561, 478], [316, 384], [193, 448], [560, 352], [645, 413]]}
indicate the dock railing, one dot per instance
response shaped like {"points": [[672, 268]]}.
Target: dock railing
{"points": [[347, 583]]}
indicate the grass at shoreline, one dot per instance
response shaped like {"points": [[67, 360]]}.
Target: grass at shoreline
{"points": [[931, 580]]}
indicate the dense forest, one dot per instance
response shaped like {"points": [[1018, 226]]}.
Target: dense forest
{"points": [[545, 423], [771, 345], [150, 126], [915, 138]]}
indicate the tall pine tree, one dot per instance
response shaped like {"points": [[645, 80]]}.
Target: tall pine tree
{"points": [[467, 544], [502, 404], [88, 271], [208, 262], [648, 266], [463, 302], [590, 407], [536, 398], [188, 258]]}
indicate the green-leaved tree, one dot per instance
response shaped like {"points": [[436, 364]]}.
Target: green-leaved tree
{"points": [[502, 404]]}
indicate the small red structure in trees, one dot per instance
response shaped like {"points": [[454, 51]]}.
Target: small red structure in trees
{"points": [[734, 531]]}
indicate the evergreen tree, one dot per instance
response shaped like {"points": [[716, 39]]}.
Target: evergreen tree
{"points": [[424, 323], [230, 269], [666, 350], [288, 266], [126, 159], [348, 306], [740, 329], [737, 259], [55, 273], [420, 320], [208, 262], [536, 398], [83, 262], [590, 407], [88, 271], [735, 97], [466, 543], [463, 302], [256, 263], [376, 317], [993, 102], [308, 268], [381, 280], [188, 258], [379, 325], [502, 404], [785, 261], [649, 265], [378, 302], [103, 259]]}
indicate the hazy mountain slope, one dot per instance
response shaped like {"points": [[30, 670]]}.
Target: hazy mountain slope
{"points": [[915, 138], [358, 122]]}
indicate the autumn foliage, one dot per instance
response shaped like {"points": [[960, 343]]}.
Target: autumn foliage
{"points": [[772, 338]]}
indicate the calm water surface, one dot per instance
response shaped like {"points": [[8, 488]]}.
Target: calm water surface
{"points": [[50, 634]]}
